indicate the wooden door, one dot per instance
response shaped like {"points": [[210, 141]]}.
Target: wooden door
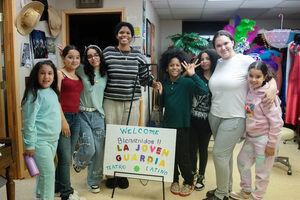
{"points": [[3, 133]]}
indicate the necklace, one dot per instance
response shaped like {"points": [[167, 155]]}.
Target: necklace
{"points": [[123, 54]]}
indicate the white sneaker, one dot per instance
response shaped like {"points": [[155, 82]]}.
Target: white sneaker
{"points": [[241, 195], [75, 196], [95, 188], [57, 194]]}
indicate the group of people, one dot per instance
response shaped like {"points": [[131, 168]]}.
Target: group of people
{"points": [[71, 105], [68, 106], [227, 95]]}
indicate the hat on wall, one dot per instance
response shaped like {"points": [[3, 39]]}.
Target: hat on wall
{"points": [[44, 16], [54, 21], [29, 16]]}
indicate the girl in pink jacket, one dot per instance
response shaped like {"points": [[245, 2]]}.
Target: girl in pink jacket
{"points": [[263, 126]]}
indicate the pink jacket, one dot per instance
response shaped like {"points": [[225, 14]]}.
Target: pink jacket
{"points": [[263, 119]]}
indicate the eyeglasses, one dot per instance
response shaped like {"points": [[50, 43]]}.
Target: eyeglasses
{"points": [[91, 56]]}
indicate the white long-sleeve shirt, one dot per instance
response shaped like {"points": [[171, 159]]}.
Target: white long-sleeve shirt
{"points": [[229, 86]]}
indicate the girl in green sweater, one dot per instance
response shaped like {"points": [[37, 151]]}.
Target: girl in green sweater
{"points": [[176, 94]]}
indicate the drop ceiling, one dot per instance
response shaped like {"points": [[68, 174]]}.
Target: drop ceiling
{"points": [[222, 10]]}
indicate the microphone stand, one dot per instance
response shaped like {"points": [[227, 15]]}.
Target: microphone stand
{"points": [[150, 78]]}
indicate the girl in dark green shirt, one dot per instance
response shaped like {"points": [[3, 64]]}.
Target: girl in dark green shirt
{"points": [[176, 94]]}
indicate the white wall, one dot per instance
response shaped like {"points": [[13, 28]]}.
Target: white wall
{"points": [[152, 16], [154, 19], [168, 27]]}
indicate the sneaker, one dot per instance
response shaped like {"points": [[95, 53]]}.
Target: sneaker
{"points": [[111, 183], [75, 167], [195, 174], [95, 188], [175, 189], [123, 182], [57, 194], [75, 196], [241, 195], [186, 190], [210, 193], [215, 198], [199, 183]]}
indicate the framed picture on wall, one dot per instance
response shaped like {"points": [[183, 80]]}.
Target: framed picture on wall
{"points": [[89, 3], [148, 38], [26, 60]]}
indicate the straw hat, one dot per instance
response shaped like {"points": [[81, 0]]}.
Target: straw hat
{"points": [[54, 21], [29, 16]]}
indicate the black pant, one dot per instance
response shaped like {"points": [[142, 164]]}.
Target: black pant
{"points": [[182, 157], [199, 138]]}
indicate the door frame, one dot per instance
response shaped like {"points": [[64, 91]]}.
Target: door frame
{"points": [[65, 33], [11, 63]]}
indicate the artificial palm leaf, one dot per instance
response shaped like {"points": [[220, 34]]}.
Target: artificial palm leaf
{"points": [[189, 42]]}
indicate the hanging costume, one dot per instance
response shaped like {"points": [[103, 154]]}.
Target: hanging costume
{"points": [[293, 90]]}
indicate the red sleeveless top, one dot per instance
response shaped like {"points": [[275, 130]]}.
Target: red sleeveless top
{"points": [[70, 94]]}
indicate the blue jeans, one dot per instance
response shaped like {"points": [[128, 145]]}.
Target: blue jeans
{"points": [[65, 149], [91, 146]]}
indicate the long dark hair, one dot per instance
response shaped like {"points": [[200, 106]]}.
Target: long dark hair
{"points": [[89, 69], [222, 33], [213, 57], [268, 72], [33, 85]]}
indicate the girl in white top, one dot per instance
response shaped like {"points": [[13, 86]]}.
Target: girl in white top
{"points": [[229, 87]]}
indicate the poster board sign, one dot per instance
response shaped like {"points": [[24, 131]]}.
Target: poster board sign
{"points": [[140, 151]]}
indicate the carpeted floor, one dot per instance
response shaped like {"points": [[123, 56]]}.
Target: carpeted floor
{"points": [[281, 187]]}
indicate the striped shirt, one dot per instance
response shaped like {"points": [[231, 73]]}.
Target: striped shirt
{"points": [[122, 69]]}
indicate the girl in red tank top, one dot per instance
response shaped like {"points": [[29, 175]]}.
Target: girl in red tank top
{"points": [[70, 86]]}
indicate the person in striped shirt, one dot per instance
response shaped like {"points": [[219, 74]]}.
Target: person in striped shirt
{"points": [[127, 72]]}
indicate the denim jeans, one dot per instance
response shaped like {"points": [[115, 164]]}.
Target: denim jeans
{"points": [[91, 146], [65, 149]]}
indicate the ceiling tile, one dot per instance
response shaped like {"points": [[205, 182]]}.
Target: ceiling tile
{"points": [[163, 11], [288, 13], [186, 11], [289, 4], [224, 10], [231, 4], [187, 16], [189, 1], [160, 4], [159, 0], [260, 3], [188, 4], [218, 11]]}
